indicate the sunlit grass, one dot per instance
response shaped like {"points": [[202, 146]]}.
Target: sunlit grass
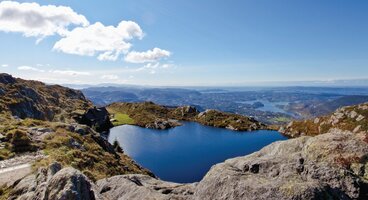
{"points": [[122, 119]]}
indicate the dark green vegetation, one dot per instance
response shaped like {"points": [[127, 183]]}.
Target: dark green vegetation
{"points": [[151, 115]]}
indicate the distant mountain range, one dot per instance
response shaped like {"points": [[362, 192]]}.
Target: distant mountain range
{"points": [[314, 83], [294, 102]]}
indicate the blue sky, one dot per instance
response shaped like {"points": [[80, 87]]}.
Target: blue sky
{"points": [[207, 42]]}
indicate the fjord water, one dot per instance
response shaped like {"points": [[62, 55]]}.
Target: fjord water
{"points": [[185, 154]]}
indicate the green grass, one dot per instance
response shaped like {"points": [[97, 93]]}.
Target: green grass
{"points": [[122, 119]]}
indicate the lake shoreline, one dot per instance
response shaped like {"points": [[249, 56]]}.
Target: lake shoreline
{"points": [[184, 154]]}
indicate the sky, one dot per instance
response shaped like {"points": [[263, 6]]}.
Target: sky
{"points": [[184, 42]]}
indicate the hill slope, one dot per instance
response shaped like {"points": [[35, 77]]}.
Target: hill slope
{"points": [[39, 118], [323, 107], [33, 99], [349, 118]]}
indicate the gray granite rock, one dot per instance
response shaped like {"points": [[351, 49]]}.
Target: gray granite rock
{"points": [[55, 183], [142, 187]]}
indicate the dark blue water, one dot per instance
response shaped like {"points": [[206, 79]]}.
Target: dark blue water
{"points": [[185, 154]]}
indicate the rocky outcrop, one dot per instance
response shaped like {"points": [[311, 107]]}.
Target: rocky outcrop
{"points": [[303, 168], [55, 183], [163, 124], [228, 120], [98, 118], [185, 112], [142, 187], [350, 118], [7, 79], [33, 99]]}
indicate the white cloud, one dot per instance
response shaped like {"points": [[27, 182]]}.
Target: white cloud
{"points": [[153, 67], [70, 72], [153, 55], [110, 77], [34, 20], [108, 42], [77, 35], [4, 65], [29, 68]]}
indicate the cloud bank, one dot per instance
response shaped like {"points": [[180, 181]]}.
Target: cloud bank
{"points": [[33, 20], [78, 36]]}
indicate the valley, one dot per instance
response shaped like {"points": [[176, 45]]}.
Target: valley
{"points": [[281, 104]]}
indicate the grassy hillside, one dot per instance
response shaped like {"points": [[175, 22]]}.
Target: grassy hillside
{"points": [[36, 117], [34, 99]]}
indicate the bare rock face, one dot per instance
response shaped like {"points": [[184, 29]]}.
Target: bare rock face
{"points": [[163, 124], [186, 112], [303, 168], [33, 99], [142, 187], [69, 183], [55, 183]]}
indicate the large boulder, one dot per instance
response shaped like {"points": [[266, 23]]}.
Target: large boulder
{"points": [[142, 187], [163, 124], [55, 183], [70, 184], [98, 118]]}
